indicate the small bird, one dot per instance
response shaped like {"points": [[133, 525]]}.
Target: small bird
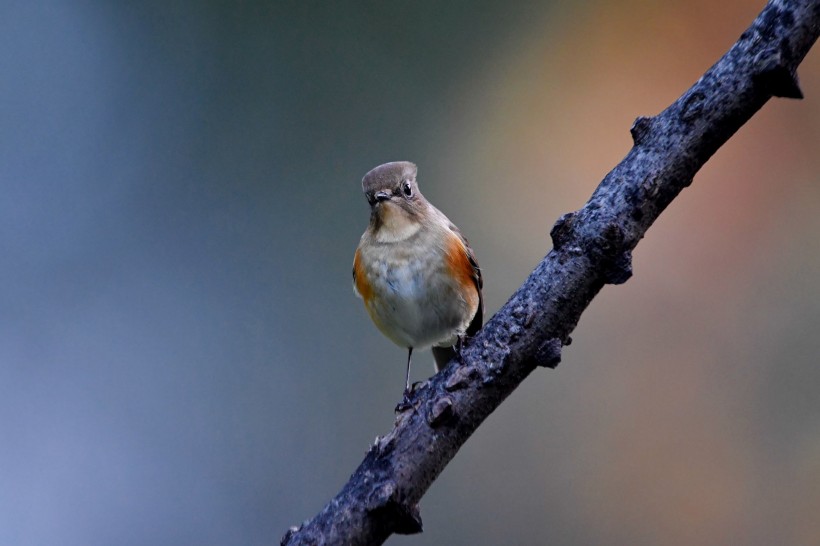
{"points": [[415, 271]]}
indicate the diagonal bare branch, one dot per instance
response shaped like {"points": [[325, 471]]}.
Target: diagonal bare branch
{"points": [[591, 247]]}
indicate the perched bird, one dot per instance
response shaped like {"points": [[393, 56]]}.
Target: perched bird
{"points": [[414, 269]]}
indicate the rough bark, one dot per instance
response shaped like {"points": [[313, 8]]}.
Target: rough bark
{"points": [[591, 247]]}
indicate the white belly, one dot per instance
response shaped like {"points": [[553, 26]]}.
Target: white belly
{"points": [[414, 302]]}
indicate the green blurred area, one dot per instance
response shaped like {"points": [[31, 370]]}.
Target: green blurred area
{"points": [[182, 358]]}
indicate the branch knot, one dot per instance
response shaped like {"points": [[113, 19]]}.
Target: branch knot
{"points": [[440, 411], [385, 505], [548, 354], [639, 130], [774, 75], [562, 230]]}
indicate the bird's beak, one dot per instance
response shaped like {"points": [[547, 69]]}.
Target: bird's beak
{"points": [[382, 196]]}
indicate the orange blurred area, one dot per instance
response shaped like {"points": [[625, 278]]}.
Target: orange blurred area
{"points": [[685, 373]]}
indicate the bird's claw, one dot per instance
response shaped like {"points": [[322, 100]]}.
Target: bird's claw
{"points": [[405, 403]]}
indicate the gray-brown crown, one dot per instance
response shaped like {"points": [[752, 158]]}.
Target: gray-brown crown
{"points": [[388, 176]]}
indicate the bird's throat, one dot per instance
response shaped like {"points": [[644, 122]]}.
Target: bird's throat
{"points": [[394, 224]]}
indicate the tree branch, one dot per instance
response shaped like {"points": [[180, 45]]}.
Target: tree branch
{"points": [[591, 247]]}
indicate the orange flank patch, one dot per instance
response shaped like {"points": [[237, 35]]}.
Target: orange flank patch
{"points": [[360, 278], [462, 269]]}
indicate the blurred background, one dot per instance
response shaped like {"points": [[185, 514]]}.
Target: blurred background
{"points": [[182, 358]]}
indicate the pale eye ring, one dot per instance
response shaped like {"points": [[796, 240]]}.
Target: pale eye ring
{"points": [[407, 189]]}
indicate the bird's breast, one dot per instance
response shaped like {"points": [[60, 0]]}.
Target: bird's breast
{"points": [[415, 290]]}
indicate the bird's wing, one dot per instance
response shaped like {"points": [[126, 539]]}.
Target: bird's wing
{"points": [[478, 319]]}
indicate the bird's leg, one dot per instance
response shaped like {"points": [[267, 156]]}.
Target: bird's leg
{"points": [[405, 402], [407, 375]]}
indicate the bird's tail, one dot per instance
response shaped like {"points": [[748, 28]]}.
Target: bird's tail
{"points": [[443, 355]]}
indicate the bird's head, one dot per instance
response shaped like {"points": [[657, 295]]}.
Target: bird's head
{"points": [[397, 207]]}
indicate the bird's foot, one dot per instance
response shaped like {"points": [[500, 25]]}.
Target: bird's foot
{"points": [[406, 402]]}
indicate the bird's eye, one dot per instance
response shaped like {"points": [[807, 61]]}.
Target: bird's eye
{"points": [[407, 189]]}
